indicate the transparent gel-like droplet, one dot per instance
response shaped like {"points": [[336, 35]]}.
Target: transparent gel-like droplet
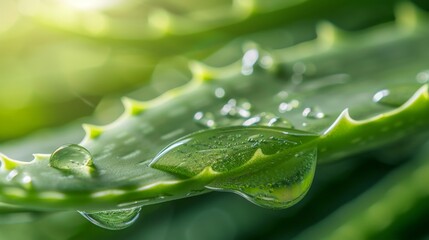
{"points": [[113, 219], [70, 157], [279, 185], [225, 149]]}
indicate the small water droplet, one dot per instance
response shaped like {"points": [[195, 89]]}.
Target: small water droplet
{"points": [[267, 119], [27, 182], [313, 112], [12, 174], [220, 92], [250, 58], [288, 106], [71, 157], [113, 219], [396, 95], [423, 77], [237, 108], [380, 95], [205, 119]]}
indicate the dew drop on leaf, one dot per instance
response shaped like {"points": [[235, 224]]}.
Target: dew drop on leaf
{"points": [[70, 157], [380, 96], [250, 58], [113, 219]]}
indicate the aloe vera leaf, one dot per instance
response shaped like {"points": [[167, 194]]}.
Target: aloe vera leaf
{"points": [[132, 139]]}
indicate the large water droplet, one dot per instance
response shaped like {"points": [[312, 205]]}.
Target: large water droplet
{"points": [[224, 149], [279, 185], [237, 108], [313, 112], [71, 157], [113, 219], [267, 119], [205, 119]]}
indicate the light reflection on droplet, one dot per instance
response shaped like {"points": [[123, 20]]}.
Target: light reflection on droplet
{"points": [[237, 108], [288, 106], [12, 174], [380, 95], [250, 58], [220, 92], [267, 119], [423, 77], [313, 112], [205, 119]]}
